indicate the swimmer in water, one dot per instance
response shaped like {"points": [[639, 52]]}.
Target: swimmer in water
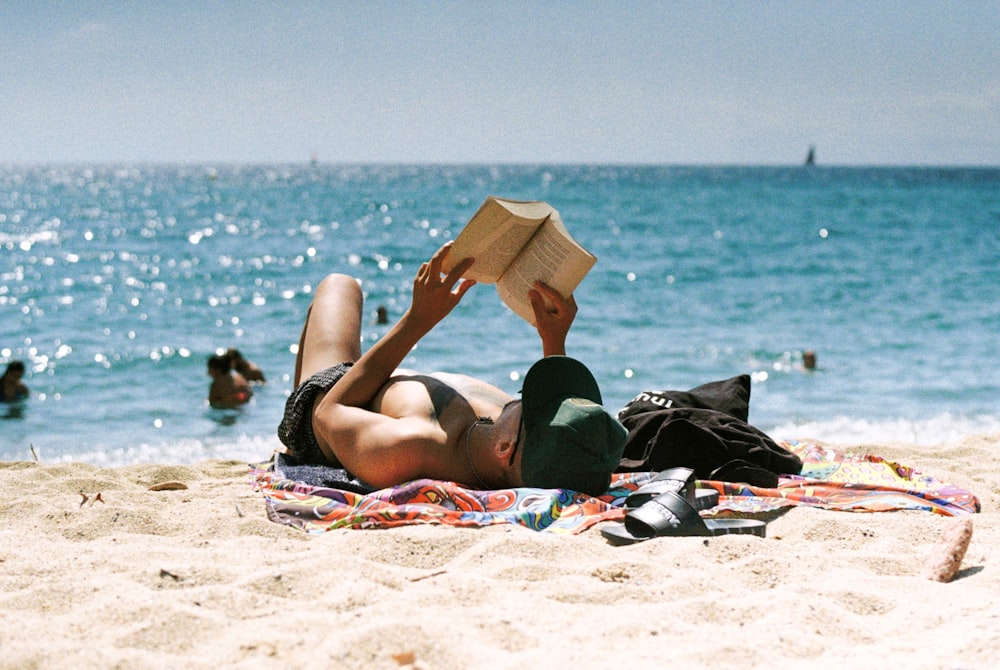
{"points": [[229, 389], [12, 388], [250, 370]]}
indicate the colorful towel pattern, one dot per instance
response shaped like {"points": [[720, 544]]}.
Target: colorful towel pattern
{"points": [[865, 483], [829, 480]]}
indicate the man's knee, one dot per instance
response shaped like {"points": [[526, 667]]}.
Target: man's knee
{"points": [[338, 286]]}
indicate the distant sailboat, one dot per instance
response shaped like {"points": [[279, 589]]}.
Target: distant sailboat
{"points": [[811, 156]]}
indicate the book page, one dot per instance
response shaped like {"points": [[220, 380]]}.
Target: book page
{"points": [[552, 257], [498, 251], [495, 236]]}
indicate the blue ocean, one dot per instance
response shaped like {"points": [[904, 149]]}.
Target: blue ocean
{"points": [[118, 282]]}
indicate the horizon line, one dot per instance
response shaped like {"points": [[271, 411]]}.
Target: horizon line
{"points": [[479, 163]]}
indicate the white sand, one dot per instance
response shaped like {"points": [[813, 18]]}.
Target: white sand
{"points": [[199, 578]]}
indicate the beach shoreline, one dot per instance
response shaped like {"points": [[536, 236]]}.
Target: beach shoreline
{"points": [[199, 577]]}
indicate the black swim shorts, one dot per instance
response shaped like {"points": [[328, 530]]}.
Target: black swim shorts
{"points": [[295, 430]]}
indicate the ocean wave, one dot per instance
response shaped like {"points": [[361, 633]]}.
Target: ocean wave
{"points": [[252, 449], [942, 429], [25, 240]]}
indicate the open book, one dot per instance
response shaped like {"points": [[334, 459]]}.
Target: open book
{"points": [[517, 243]]}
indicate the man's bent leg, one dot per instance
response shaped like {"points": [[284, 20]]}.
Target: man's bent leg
{"points": [[332, 331]]}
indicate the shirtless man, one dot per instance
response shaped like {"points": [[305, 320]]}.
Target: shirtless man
{"points": [[229, 389], [387, 425]]}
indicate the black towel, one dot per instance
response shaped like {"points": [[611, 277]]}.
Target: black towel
{"points": [[704, 429]]}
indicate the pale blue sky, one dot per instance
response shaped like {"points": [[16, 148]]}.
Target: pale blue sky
{"points": [[886, 83]]}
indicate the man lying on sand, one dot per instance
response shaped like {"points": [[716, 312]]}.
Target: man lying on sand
{"points": [[388, 426]]}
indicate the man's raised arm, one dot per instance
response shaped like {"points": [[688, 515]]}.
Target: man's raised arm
{"points": [[384, 450], [434, 296], [554, 315]]}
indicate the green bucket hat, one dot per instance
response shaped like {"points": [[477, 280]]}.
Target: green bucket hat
{"points": [[570, 441]]}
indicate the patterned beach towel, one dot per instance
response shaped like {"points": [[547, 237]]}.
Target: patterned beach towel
{"points": [[864, 483], [829, 480]]}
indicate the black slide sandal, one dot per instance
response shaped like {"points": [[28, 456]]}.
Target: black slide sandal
{"points": [[670, 515], [678, 480]]}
